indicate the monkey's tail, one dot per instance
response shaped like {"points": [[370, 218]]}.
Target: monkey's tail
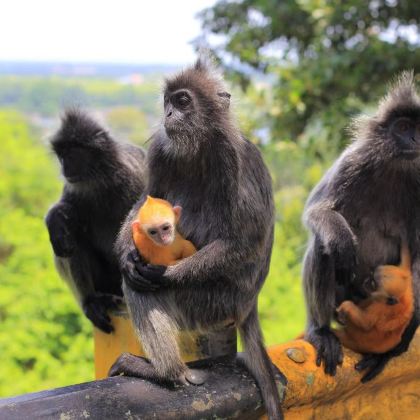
{"points": [[259, 364]]}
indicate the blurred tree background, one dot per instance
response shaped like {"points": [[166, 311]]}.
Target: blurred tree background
{"points": [[299, 71]]}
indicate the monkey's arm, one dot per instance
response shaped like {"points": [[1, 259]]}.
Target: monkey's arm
{"points": [[334, 233], [329, 262], [205, 265], [363, 319], [61, 223]]}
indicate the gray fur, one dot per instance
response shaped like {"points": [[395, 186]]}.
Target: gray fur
{"points": [[204, 164], [84, 223], [358, 213]]}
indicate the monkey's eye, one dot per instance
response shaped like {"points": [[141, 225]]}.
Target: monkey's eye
{"points": [[153, 232], [166, 228], [181, 99], [403, 126]]}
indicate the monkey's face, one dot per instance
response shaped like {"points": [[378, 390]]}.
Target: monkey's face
{"points": [[76, 163], [180, 112], [405, 133], [84, 159], [162, 233]]}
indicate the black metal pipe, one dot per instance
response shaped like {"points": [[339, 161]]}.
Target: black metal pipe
{"points": [[229, 392]]}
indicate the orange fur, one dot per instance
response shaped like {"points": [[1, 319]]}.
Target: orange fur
{"points": [[155, 211], [373, 326]]}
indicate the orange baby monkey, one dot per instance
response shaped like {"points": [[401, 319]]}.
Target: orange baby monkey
{"points": [[376, 324], [155, 234]]}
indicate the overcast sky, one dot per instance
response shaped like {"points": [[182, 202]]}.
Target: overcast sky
{"points": [[128, 31]]}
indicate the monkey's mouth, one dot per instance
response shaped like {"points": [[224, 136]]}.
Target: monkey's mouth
{"points": [[172, 129], [410, 154], [74, 179]]}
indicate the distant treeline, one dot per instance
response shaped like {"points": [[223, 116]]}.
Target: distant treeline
{"points": [[47, 95]]}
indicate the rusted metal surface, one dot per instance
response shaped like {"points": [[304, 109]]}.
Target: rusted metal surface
{"points": [[230, 392], [392, 395]]}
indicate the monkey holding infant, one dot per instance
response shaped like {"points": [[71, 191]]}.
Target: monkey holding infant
{"points": [[200, 160], [358, 213]]}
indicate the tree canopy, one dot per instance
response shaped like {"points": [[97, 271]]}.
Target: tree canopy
{"points": [[324, 60]]}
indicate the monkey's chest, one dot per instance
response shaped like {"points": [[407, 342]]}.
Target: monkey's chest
{"points": [[101, 234]]}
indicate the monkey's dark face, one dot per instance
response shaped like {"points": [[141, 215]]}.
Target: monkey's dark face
{"points": [[405, 132], [76, 163], [180, 111], [196, 105]]}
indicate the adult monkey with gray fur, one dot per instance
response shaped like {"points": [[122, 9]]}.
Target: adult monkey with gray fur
{"points": [[103, 179], [200, 161], [358, 213]]}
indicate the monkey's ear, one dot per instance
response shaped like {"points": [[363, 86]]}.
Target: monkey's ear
{"points": [[135, 226], [225, 99], [177, 211]]}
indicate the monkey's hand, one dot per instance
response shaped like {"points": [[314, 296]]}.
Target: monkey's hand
{"points": [[96, 309], [343, 312], [374, 364], [58, 220], [328, 348], [142, 277]]}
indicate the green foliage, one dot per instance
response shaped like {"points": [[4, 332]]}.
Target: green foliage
{"points": [[44, 340], [324, 60], [128, 122]]}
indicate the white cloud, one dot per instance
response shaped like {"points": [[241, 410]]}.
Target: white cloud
{"points": [[131, 31]]}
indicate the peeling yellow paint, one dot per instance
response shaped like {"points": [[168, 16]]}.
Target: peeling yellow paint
{"points": [[310, 394], [201, 405]]}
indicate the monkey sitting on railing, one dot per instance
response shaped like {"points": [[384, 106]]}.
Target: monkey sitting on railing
{"points": [[377, 323]]}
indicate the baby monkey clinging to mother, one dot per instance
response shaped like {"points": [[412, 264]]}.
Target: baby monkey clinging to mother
{"points": [[364, 204], [376, 324], [155, 234]]}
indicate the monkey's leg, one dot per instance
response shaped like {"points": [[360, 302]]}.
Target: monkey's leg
{"points": [[375, 363], [359, 317], [158, 334], [319, 287], [259, 364]]}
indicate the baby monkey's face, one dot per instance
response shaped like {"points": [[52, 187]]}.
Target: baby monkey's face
{"points": [[161, 233], [374, 287], [389, 283]]}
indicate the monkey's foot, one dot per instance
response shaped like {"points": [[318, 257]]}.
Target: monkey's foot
{"points": [[129, 365], [195, 376], [373, 363], [328, 347]]}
